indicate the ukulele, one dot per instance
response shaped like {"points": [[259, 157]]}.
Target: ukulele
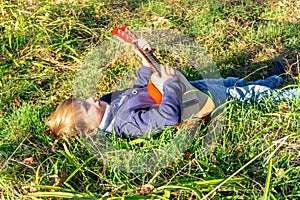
{"points": [[194, 102]]}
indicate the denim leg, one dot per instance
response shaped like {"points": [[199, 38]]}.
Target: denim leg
{"points": [[272, 82], [213, 87], [200, 84], [248, 93], [233, 81], [235, 88], [287, 94], [259, 92], [204, 84]]}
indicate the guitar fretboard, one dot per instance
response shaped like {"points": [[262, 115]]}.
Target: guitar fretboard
{"points": [[149, 55]]}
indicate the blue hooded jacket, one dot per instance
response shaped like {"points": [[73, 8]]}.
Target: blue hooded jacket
{"points": [[138, 113]]}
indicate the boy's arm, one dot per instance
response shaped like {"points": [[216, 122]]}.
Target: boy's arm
{"points": [[145, 70], [168, 113], [143, 77]]}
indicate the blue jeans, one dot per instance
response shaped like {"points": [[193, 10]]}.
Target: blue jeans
{"points": [[238, 89]]}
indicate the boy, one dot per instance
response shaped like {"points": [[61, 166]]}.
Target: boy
{"points": [[132, 112]]}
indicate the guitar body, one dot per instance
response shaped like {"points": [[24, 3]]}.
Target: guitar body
{"points": [[155, 91], [194, 102]]}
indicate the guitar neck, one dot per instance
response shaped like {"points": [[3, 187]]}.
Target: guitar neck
{"points": [[151, 58], [127, 36]]}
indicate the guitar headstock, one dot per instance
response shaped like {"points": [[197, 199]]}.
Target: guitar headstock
{"points": [[141, 45], [125, 34]]}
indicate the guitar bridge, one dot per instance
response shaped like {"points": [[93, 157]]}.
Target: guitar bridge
{"points": [[189, 102]]}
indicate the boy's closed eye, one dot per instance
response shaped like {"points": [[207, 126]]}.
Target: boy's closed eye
{"points": [[86, 106]]}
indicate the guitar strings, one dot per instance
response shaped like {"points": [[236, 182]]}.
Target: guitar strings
{"points": [[149, 55]]}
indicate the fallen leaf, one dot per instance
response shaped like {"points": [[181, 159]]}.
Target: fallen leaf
{"points": [[284, 107], [53, 98], [17, 101], [28, 161], [57, 181], [32, 189], [146, 189], [279, 172], [28, 189]]}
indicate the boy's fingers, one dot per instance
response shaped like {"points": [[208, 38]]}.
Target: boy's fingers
{"points": [[162, 70], [171, 71], [147, 47], [168, 70], [144, 44]]}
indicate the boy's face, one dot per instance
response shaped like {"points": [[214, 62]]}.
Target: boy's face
{"points": [[94, 111]]}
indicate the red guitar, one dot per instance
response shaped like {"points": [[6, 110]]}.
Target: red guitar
{"points": [[195, 103]]}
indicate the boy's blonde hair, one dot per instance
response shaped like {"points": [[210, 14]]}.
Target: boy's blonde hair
{"points": [[68, 119]]}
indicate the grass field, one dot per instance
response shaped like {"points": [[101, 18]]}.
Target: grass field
{"points": [[44, 43]]}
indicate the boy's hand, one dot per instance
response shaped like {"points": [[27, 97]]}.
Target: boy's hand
{"points": [[166, 74], [145, 46]]}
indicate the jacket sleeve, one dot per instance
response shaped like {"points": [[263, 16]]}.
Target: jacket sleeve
{"points": [[143, 77], [168, 113]]}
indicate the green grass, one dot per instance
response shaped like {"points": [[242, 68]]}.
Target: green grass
{"points": [[44, 43]]}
